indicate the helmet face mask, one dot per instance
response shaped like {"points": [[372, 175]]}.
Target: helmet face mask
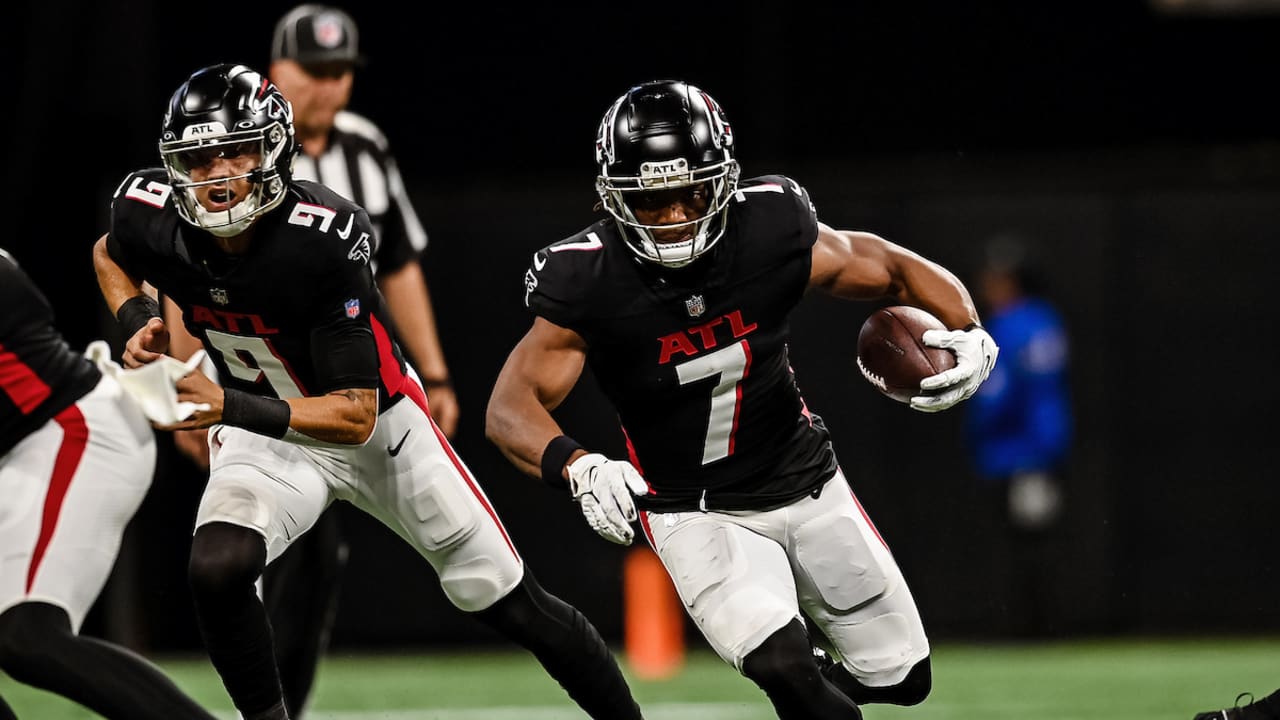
{"points": [[658, 137], [233, 112]]}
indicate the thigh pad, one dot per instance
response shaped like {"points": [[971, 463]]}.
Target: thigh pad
{"points": [[834, 556]]}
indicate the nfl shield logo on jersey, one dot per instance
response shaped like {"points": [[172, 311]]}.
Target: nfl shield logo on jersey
{"points": [[695, 305], [353, 308], [219, 295]]}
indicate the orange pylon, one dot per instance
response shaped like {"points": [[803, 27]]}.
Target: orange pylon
{"points": [[654, 617]]}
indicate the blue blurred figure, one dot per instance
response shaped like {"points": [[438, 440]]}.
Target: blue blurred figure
{"points": [[1019, 424]]}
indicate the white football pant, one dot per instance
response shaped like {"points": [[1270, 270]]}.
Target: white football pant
{"points": [[744, 575], [67, 491], [406, 475]]}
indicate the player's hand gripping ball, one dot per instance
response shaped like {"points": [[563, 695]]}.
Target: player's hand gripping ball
{"points": [[892, 354]]}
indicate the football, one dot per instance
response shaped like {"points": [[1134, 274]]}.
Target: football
{"points": [[891, 355]]}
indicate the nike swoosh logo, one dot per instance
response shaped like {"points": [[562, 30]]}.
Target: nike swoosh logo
{"points": [[394, 451], [539, 262], [345, 232]]}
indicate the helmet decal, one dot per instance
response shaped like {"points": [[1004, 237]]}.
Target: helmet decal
{"points": [[721, 133], [604, 136], [272, 104]]}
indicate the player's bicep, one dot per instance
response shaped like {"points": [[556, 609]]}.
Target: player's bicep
{"points": [[853, 265], [863, 266]]}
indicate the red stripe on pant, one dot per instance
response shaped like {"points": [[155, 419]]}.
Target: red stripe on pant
{"points": [[75, 437], [396, 383]]}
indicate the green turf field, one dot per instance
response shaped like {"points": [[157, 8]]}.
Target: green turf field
{"points": [[1094, 680]]}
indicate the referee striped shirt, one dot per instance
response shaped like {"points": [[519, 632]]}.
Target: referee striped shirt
{"points": [[358, 165]]}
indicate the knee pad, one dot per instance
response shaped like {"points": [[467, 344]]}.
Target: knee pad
{"points": [[475, 584], [878, 647], [236, 505]]}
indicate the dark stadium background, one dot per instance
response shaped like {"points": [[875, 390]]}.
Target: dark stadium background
{"points": [[1137, 148]]}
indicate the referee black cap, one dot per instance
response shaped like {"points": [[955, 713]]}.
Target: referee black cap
{"points": [[313, 34]]}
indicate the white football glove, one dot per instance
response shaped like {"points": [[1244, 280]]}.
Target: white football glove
{"points": [[975, 356], [604, 489]]}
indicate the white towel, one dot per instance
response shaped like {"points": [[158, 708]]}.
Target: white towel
{"points": [[152, 386]]}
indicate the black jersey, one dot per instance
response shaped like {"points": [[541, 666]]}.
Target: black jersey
{"points": [[40, 375], [357, 164], [695, 360], [297, 315]]}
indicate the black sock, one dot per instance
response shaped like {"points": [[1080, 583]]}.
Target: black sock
{"points": [[567, 645], [226, 561], [784, 667], [301, 595], [38, 648]]}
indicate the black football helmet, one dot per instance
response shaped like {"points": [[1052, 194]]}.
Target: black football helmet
{"points": [[228, 108], [661, 135]]}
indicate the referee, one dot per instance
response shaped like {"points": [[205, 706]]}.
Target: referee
{"points": [[314, 54]]}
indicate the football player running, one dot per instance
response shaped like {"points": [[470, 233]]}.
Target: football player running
{"points": [[272, 275], [679, 300]]}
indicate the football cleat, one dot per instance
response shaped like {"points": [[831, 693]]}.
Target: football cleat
{"points": [[1264, 709]]}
